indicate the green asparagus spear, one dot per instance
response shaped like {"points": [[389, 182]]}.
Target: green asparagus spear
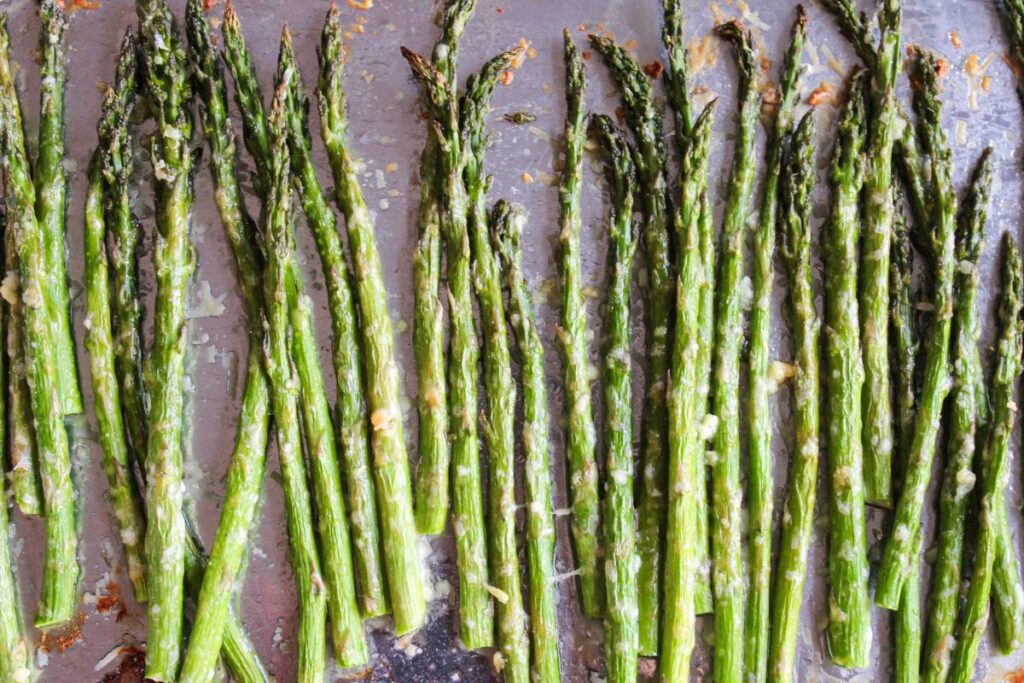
{"points": [[581, 438], [475, 617], [685, 466], [507, 222], [897, 557], [907, 622], [351, 406], [248, 96], [118, 161], [285, 392], [974, 615], [884, 63], [24, 472], [760, 483], [795, 248], [59, 595], [391, 467], [501, 391], [623, 634], [51, 199], [649, 509], [1007, 594], [431, 485], [125, 498], [675, 76], [703, 593], [958, 479], [248, 460], [726, 501], [644, 120], [849, 633], [15, 663], [169, 94]]}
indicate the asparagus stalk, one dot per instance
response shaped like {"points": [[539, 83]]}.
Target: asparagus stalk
{"points": [[884, 63], [685, 466], [51, 199], [285, 392], [644, 120], [124, 235], [726, 500], [974, 616], [897, 558], [351, 406], [24, 472], [431, 485], [391, 467], [499, 428], [795, 247], [622, 640], [677, 91], [248, 460], [15, 663], [849, 632], [169, 93], [760, 483], [907, 622], [958, 480], [507, 222], [59, 594], [650, 506], [248, 96], [125, 498], [475, 617], [581, 438], [703, 593]]}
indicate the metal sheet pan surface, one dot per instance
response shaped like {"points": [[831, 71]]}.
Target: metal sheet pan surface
{"points": [[387, 132]]}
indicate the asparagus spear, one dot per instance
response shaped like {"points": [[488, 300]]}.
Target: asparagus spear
{"points": [[117, 159], [703, 593], [622, 630], [431, 485], [248, 460], [795, 247], [15, 664], [24, 473], [169, 93], [644, 120], [650, 506], [475, 618], [125, 498], [907, 622], [351, 407], [726, 500], [685, 466], [974, 616], [581, 438], [677, 91], [391, 467], [884, 63], [849, 631], [248, 96], [760, 483], [59, 594], [285, 392], [51, 203], [507, 222], [501, 392], [897, 557], [958, 480]]}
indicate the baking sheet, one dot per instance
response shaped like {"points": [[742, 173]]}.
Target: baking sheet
{"points": [[387, 132]]}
